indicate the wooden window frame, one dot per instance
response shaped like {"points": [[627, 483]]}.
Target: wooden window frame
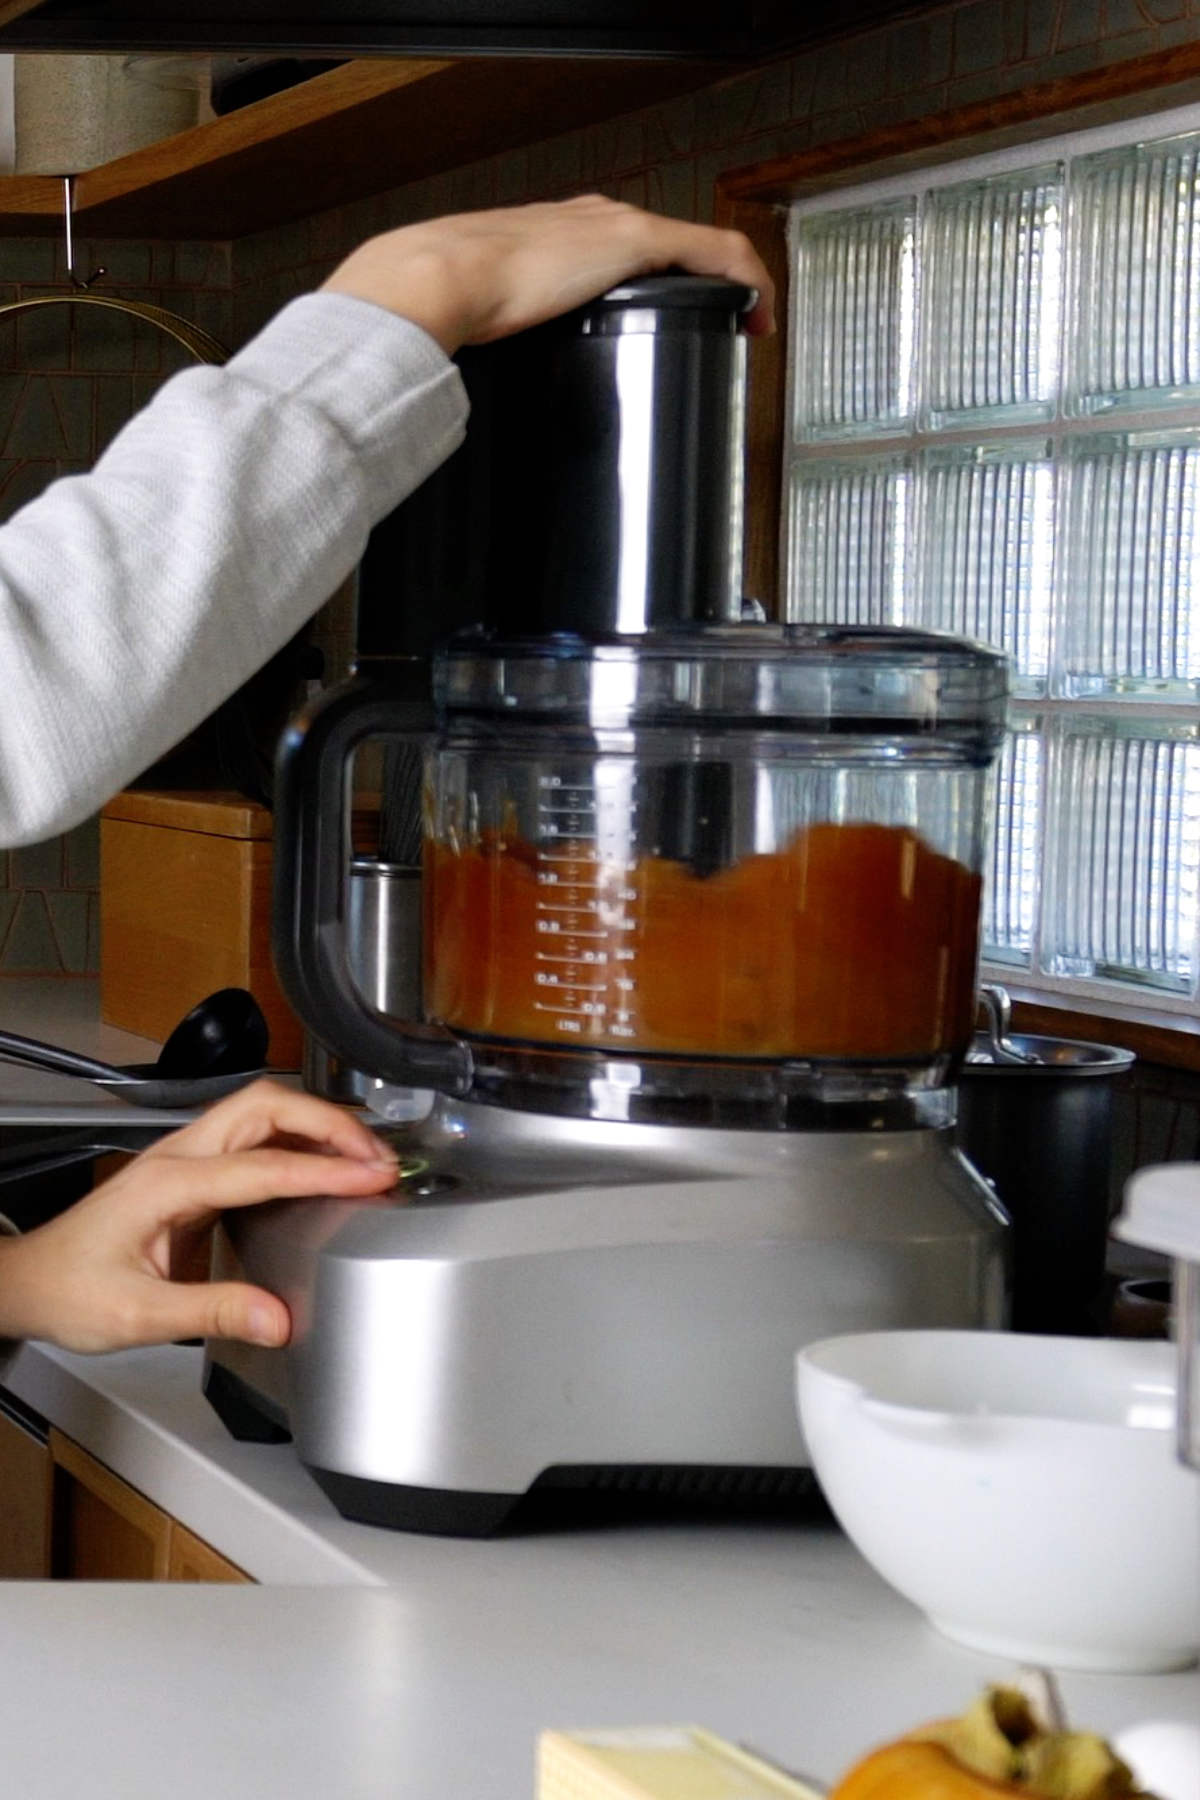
{"points": [[756, 201]]}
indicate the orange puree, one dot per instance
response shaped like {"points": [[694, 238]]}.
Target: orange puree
{"points": [[853, 941]]}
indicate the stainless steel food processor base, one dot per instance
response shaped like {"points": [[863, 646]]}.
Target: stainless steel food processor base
{"points": [[550, 1305]]}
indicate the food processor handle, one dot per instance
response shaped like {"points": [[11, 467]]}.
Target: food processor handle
{"points": [[312, 856]]}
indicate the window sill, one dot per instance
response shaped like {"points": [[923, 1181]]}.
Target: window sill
{"points": [[1170, 1039]]}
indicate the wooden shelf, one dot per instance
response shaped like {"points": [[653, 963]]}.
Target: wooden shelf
{"points": [[370, 125]]}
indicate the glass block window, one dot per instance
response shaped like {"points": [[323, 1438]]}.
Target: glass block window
{"points": [[855, 290], [1137, 315], [987, 547], [1124, 864], [994, 405], [1011, 875], [849, 525], [1131, 543], [993, 284]]}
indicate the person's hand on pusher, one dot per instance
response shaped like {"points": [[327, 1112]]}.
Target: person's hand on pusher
{"points": [[473, 277]]}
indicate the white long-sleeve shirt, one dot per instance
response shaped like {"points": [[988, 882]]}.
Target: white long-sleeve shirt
{"points": [[134, 599]]}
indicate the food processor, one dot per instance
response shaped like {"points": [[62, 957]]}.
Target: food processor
{"points": [[700, 923]]}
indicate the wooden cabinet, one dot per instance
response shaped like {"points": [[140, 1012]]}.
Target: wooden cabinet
{"points": [[65, 1515], [189, 1558], [102, 1529], [25, 1489]]}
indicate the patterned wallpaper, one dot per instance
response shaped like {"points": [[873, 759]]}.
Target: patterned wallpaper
{"points": [[66, 382]]}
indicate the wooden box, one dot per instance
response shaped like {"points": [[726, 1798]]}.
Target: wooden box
{"points": [[185, 909]]}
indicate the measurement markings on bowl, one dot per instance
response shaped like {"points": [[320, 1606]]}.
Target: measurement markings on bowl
{"points": [[584, 893]]}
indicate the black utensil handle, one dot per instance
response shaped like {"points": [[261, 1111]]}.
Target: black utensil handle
{"points": [[312, 857], [36, 1055]]}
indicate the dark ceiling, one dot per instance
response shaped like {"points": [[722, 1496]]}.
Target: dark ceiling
{"points": [[738, 30]]}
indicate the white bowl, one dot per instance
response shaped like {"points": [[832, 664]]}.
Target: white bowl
{"points": [[1023, 1491]]}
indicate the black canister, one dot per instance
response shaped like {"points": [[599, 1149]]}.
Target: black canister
{"points": [[600, 486], [1041, 1132]]}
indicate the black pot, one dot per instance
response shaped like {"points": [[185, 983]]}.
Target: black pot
{"points": [[1041, 1133]]}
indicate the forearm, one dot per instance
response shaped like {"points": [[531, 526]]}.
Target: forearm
{"points": [[23, 1307], [134, 599]]}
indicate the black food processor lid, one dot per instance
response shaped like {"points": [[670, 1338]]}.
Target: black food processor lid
{"points": [[681, 301]]}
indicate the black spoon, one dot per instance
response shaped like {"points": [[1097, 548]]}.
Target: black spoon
{"points": [[219, 1046]]}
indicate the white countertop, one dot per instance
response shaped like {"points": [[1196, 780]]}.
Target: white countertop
{"points": [[438, 1688], [401, 1665]]}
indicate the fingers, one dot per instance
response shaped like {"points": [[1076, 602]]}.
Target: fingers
{"points": [[85, 1298], [475, 277], [644, 241], [169, 1191], [133, 1310], [563, 254], [707, 250], [265, 1110], [159, 1312]]}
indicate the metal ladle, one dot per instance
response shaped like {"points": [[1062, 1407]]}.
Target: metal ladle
{"points": [[1000, 1048], [219, 1046]]}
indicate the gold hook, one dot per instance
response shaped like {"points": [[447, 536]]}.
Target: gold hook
{"points": [[80, 287]]}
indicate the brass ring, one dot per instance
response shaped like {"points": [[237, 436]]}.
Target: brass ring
{"points": [[194, 339]]}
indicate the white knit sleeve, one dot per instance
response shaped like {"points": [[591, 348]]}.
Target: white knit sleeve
{"points": [[134, 599]]}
